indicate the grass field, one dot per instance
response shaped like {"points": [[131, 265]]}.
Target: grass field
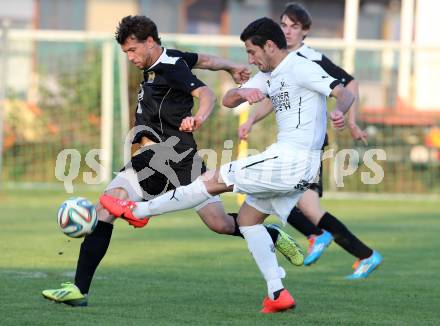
{"points": [[177, 272]]}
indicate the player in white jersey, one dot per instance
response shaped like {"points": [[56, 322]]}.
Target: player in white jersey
{"points": [[308, 217], [275, 179]]}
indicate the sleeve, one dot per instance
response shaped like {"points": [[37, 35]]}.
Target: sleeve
{"points": [[259, 81], [190, 59], [334, 70], [180, 77], [311, 76]]}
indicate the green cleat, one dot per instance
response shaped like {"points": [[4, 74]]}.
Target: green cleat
{"points": [[68, 294], [287, 246]]}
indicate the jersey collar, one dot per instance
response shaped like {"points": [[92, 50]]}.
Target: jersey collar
{"points": [[159, 60], [302, 47]]}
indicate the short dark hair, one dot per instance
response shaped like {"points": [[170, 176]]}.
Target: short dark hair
{"points": [[298, 14], [262, 30], [140, 27]]}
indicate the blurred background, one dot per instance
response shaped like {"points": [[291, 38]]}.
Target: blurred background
{"points": [[64, 82]]}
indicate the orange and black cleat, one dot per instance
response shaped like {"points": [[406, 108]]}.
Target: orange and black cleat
{"points": [[282, 303], [123, 209]]}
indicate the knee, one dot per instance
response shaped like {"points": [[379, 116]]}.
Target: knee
{"points": [[313, 212], [120, 193], [103, 214], [223, 226]]}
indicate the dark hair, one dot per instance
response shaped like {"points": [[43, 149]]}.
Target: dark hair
{"points": [[262, 30], [298, 14], [138, 26]]}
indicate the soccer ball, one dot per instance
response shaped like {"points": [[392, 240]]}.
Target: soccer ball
{"points": [[77, 217]]}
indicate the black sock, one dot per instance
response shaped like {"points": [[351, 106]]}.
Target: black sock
{"points": [[300, 222], [237, 232], [344, 237], [92, 251], [276, 294], [272, 232]]}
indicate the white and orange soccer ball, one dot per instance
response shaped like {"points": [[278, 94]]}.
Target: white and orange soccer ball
{"points": [[77, 217]]}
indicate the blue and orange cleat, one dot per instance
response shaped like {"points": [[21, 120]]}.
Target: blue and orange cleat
{"points": [[123, 209], [318, 243], [282, 303], [366, 266]]}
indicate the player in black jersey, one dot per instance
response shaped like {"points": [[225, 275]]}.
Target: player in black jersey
{"points": [[308, 217], [167, 157]]}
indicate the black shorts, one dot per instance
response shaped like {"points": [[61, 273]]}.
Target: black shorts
{"points": [[168, 174], [318, 185]]}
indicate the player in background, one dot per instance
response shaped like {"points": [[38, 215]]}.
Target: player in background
{"points": [[275, 179], [164, 126], [319, 226]]}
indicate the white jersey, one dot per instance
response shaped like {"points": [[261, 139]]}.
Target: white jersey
{"points": [[309, 53], [298, 89]]}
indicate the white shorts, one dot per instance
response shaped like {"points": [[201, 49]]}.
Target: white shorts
{"points": [[275, 179], [128, 181]]}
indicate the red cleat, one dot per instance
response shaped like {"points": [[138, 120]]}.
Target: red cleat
{"points": [[123, 209], [136, 222], [284, 302]]}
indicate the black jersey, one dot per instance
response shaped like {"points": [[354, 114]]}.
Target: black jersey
{"points": [[164, 98], [326, 64]]}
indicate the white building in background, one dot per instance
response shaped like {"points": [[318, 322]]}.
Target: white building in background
{"points": [[426, 73], [391, 46], [18, 15]]}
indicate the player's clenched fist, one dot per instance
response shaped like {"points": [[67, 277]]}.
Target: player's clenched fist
{"points": [[190, 124], [252, 95], [337, 118], [240, 73]]}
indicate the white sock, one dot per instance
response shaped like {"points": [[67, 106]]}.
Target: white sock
{"points": [[262, 248], [178, 199]]}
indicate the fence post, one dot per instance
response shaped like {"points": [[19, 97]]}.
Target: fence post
{"points": [[404, 97], [3, 82], [351, 15], [123, 91], [107, 90], [350, 33]]}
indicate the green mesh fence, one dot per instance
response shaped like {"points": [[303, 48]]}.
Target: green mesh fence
{"points": [[54, 103]]}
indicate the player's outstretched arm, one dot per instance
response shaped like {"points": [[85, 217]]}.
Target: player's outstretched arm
{"points": [[344, 99], [234, 97], [356, 132], [240, 73], [352, 85], [207, 101], [261, 111]]}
